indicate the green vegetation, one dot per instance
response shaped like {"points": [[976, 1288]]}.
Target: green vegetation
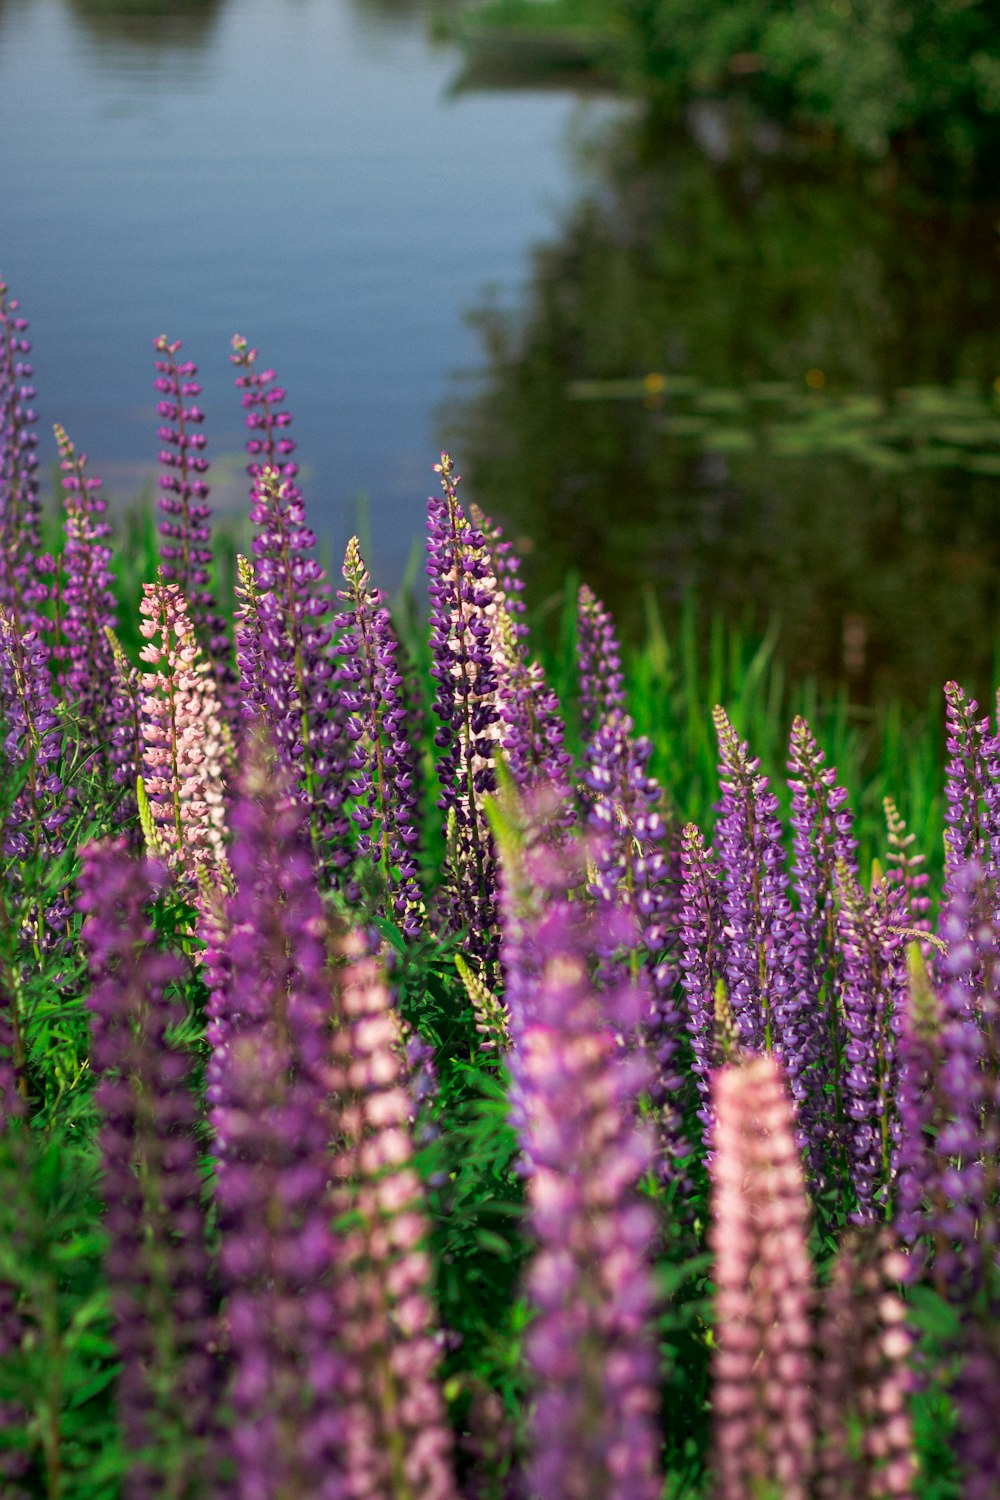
{"points": [[875, 72]]}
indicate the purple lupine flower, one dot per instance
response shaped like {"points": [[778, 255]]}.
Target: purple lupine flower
{"points": [[533, 734], [905, 870], [383, 784], [700, 956], [396, 1433], [20, 514], [589, 1350], [812, 1043], [863, 1379], [185, 748], [186, 545], [269, 445], [873, 984], [757, 912], [599, 663], [968, 1135], [763, 1335], [87, 598], [269, 1088], [125, 753], [32, 833], [918, 1104], [975, 1389], [464, 601], [634, 889], [289, 666], [966, 741], [157, 1263]]}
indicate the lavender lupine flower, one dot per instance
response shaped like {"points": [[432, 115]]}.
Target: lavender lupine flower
{"points": [[757, 912], [905, 870], [269, 445], [289, 667], [397, 1440], [594, 1423], [186, 545], [873, 985], [20, 516], [33, 746], [812, 1042], [599, 663], [87, 599], [863, 1380], [533, 734], [185, 747], [762, 1365], [634, 883], [269, 1083], [125, 752], [700, 956], [967, 742], [919, 1108], [157, 1263], [383, 783], [464, 601]]}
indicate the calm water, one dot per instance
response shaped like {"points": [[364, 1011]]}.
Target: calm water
{"points": [[295, 170]]}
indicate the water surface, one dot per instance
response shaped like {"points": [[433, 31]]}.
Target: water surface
{"points": [[295, 170]]}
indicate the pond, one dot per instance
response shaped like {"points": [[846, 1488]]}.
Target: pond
{"points": [[707, 360], [299, 171]]}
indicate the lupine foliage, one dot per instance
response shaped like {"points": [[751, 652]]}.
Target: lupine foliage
{"points": [[429, 1080]]}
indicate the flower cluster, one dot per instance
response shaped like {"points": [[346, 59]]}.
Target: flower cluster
{"points": [[20, 516], [157, 1262], [186, 548], [594, 1420], [86, 597], [269, 445], [396, 1433], [763, 1354], [269, 1087], [383, 782], [288, 665], [465, 599], [184, 743]]}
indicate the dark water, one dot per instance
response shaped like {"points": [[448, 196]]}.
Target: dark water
{"points": [[708, 360], [295, 170], [771, 379]]}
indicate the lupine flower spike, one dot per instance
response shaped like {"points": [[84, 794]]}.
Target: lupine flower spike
{"points": [[398, 1442], [157, 1262], [699, 957], [269, 1082], [383, 782], [589, 1350], [186, 752], [873, 986], [269, 444], [755, 901], [533, 733], [464, 601], [812, 1045], [20, 516], [33, 747], [864, 1380], [763, 1352], [186, 546], [87, 599], [288, 666]]}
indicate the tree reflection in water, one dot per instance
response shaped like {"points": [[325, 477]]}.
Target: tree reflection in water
{"points": [[768, 379]]}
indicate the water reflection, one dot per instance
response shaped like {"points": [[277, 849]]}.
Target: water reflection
{"points": [[147, 26], [736, 372]]}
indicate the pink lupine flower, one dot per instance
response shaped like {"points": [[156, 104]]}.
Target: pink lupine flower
{"points": [[396, 1433], [185, 745], [763, 1361]]}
